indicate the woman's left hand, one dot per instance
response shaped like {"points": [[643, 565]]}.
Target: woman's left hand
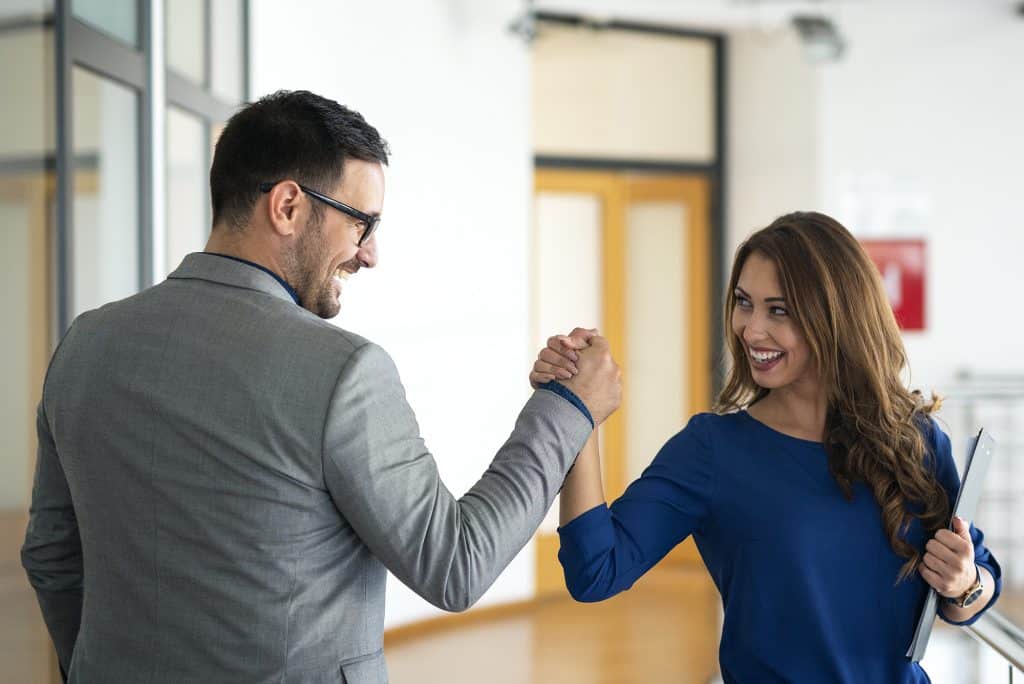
{"points": [[948, 563]]}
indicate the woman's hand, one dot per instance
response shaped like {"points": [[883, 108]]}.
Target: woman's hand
{"points": [[948, 563], [557, 361]]}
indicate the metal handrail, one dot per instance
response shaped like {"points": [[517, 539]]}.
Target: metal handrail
{"points": [[1000, 634], [971, 392]]}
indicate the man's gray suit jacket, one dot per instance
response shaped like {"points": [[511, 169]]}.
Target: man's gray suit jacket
{"points": [[223, 478]]}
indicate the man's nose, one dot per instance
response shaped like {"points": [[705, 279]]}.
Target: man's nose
{"points": [[367, 254]]}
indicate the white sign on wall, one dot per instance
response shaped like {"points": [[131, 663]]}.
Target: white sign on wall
{"points": [[878, 205]]}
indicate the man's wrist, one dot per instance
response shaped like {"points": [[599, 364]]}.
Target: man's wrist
{"points": [[570, 396]]}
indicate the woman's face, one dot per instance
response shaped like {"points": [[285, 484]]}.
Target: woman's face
{"points": [[776, 350]]}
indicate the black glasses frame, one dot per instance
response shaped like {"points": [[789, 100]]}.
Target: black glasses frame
{"points": [[369, 220]]}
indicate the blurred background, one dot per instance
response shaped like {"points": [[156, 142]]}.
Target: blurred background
{"points": [[555, 164]]}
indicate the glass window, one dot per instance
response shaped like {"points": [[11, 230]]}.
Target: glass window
{"points": [[118, 18], [186, 38], [188, 195], [105, 240], [227, 69]]}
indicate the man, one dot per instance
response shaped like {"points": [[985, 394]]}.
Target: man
{"points": [[223, 476]]}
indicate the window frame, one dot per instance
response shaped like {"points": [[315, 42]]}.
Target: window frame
{"points": [[143, 69]]}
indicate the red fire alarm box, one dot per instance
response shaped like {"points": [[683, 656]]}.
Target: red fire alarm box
{"points": [[902, 265]]}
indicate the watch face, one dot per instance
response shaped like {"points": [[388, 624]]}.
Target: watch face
{"points": [[973, 596]]}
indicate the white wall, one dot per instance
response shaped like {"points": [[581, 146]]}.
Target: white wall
{"points": [[932, 98], [773, 131], [928, 99], [925, 110], [447, 86], [622, 95], [27, 133]]}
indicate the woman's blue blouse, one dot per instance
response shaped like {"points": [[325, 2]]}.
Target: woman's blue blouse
{"points": [[807, 577]]}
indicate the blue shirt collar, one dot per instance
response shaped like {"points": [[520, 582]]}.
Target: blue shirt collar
{"points": [[291, 291]]}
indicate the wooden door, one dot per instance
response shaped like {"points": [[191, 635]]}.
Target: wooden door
{"points": [[629, 254]]}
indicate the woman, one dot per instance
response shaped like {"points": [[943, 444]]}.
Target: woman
{"points": [[819, 492]]}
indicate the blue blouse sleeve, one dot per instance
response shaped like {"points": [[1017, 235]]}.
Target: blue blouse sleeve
{"points": [[605, 550], [945, 471]]}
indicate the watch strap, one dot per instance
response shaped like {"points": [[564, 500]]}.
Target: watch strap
{"points": [[971, 595]]}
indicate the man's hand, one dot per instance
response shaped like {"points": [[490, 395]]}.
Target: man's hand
{"points": [[597, 380], [557, 361], [948, 563]]}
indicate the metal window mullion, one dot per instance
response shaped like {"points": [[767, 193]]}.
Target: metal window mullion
{"points": [[719, 215], [145, 154], [155, 254], [246, 46], [104, 55], [621, 164], [194, 99], [599, 23], [63, 257], [208, 45]]}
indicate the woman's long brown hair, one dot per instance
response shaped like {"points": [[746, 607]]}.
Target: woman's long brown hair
{"points": [[873, 430]]}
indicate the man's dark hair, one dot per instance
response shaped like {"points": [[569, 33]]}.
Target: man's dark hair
{"points": [[293, 135]]}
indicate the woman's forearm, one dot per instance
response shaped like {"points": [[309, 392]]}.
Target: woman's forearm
{"points": [[583, 488]]}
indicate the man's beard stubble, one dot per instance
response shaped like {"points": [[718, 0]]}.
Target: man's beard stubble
{"points": [[303, 266]]}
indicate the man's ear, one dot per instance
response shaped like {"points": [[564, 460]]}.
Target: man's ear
{"points": [[283, 207]]}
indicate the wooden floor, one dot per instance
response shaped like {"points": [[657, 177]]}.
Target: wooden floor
{"points": [[665, 629]]}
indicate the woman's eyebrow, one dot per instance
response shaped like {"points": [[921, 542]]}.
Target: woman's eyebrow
{"points": [[767, 299]]}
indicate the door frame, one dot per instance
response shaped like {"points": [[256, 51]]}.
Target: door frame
{"points": [[617, 190]]}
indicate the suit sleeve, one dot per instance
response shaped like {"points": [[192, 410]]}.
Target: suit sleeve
{"points": [[52, 552], [945, 471], [385, 483]]}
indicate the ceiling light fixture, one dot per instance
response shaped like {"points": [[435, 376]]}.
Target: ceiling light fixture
{"points": [[820, 38]]}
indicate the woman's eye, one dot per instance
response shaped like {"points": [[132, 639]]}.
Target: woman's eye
{"points": [[742, 302], [779, 311]]}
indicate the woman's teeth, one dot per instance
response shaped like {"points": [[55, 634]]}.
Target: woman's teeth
{"points": [[764, 357]]}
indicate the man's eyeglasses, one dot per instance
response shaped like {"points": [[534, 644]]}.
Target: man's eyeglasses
{"points": [[371, 222]]}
